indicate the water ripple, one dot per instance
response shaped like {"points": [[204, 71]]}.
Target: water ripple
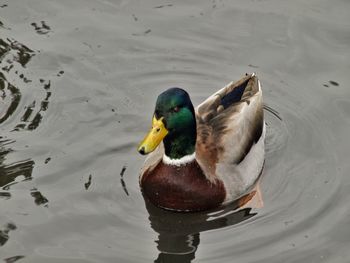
{"points": [[78, 83]]}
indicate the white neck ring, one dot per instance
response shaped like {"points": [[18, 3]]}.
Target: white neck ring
{"points": [[179, 162]]}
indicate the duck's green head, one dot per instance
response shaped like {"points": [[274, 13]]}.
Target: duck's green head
{"points": [[174, 122]]}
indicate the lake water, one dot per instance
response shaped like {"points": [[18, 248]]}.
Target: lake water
{"points": [[78, 83]]}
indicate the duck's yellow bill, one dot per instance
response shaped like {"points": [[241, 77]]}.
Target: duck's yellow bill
{"points": [[154, 137]]}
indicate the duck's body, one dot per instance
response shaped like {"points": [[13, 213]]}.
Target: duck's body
{"points": [[210, 159], [184, 188]]}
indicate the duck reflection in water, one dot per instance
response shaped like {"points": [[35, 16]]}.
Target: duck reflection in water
{"points": [[179, 233]]}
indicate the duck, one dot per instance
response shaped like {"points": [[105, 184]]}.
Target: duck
{"points": [[205, 157]]}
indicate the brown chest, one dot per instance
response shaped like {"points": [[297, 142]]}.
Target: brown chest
{"points": [[182, 188]]}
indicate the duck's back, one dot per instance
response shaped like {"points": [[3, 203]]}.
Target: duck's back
{"points": [[230, 136]]}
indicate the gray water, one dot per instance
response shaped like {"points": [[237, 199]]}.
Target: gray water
{"points": [[78, 83]]}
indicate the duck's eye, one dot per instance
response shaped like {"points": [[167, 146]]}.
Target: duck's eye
{"points": [[176, 109]]}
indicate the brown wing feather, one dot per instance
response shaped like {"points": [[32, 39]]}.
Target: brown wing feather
{"points": [[228, 134]]}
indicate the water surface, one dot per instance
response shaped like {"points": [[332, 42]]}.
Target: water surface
{"points": [[78, 83]]}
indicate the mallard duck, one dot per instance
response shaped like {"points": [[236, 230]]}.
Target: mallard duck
{"points": [[206, 157]]}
